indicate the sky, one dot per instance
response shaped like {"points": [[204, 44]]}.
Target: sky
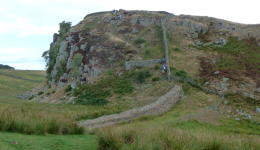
{"points": [[27, 26]]}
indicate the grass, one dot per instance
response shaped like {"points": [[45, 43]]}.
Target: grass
{"points": [[27, 74], [84, 142], [153, 132], [236, 59]]}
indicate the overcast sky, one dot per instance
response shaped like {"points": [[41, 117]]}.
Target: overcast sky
{"points": [[27, 26]]}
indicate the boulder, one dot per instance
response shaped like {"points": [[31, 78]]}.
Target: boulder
{"points": [[225, 79], [143, 45], [216, 72], [73, 49], [70, 99], [135, 30], [92, 48], [257, 110], [83, 46], [133, 20], [73, 84], [144, 21]]}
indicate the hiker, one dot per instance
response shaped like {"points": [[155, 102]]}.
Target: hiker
{"points": [[120, 17], [163, 60], [164, 66], [163, 71], [114, 11]]}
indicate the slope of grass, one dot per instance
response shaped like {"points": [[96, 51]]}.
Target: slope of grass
{"points": [[236, 58], [28, 74], [26, 142], [11, 87]]}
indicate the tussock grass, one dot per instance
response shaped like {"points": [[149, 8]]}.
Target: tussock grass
{"points": [[164, 137]]}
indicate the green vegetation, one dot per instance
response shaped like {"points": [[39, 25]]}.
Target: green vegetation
{"points": [[62, 68], [40, 93], [237, 99], [90, 25], [140, 41], [155, 79], [142, 75], [27, 74], [156, 67], [53, 91], [64, 29], [77, 59], [5, 67], [96, 94], [48, 142], [177, 50], [50, 58], [68, 88], [236, 58]]}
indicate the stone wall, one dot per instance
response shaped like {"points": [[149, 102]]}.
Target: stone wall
{"points": [[162, 105], [166, 51], [145, 63]]}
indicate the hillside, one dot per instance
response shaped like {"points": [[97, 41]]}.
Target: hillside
{"points": [[111, 66]]}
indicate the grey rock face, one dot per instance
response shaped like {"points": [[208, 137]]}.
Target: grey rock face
{"points": [[60, 85], [92, 48], [46, 88], [70, 99], [134, 20], [142, 45], [225, 79], [222, 42], [83, 46], [206, 83], [216, 72], [144, 21], [237, 119], [73, 49], [69, 63], [135, 30], [73, 84], [258, 90], [239, 39], [257, 110], [107, 19]]}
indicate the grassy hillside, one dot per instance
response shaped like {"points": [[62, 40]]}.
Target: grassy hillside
{"points": [[27, 74]]}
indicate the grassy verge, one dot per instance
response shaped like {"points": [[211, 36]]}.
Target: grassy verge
{"points": [[83, 142], [28, 74]]}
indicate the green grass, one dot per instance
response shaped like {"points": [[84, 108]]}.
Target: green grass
{"points": [[48, 142], [90, 25], [27, 74], [11, 87]]}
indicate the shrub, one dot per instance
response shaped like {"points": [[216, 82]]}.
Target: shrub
{"points": [[30, 98], [177, 50], [77, 59], [40, 93], [139, 41], [156, 67], [93, 101], [48, 93], [141, 76], [181, 73], [64, 28], [53, 91], [62, 68], [155, 79], [68, 88]]}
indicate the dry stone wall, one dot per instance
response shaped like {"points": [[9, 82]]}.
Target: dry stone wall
{"points": [[146, 63], [162, 105], [166, 51]]}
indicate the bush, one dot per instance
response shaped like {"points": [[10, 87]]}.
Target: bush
{"points": [[177, 50], [155, 79], [93, 102], [62, 68], [48, 93], [156, 67], [77, 59], [141, 76], [40, 93], [68, 88], [181, 73], [139, 41], [64, 28], [53, 91]]}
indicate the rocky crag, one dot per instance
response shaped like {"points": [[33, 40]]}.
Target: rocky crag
{"points": [[102, 45]]}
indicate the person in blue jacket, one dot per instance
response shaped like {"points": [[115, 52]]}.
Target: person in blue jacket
{"points": [[163, 60]]}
